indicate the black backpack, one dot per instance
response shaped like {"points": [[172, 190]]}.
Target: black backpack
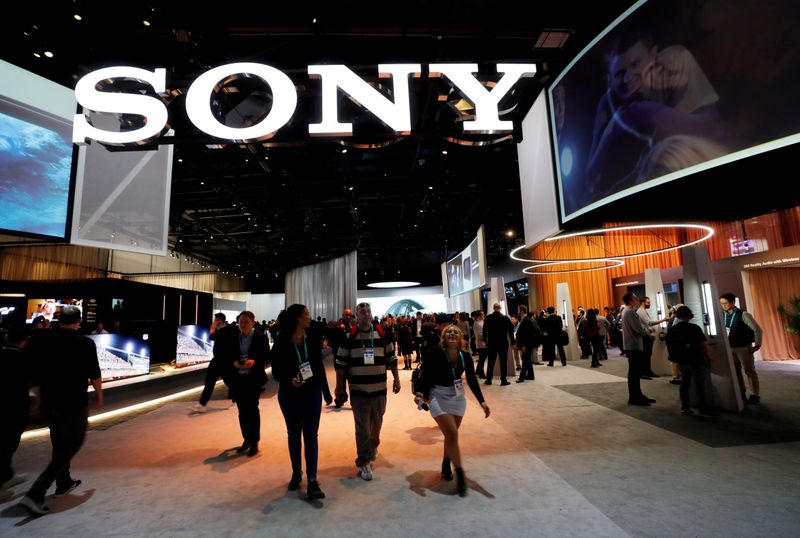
{"points": [[682, 345]]}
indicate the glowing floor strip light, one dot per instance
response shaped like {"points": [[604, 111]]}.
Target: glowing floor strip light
{"points": [[33, 434], [708, 229]]}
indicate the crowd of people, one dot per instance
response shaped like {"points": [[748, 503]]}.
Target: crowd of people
{"points": [[364, 350]]}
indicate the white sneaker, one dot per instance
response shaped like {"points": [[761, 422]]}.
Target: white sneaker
{"points": [[366, 472], [199, 408], [35, 508]]}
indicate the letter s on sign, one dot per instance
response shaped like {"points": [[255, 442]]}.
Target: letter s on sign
{"points": [[154, 111]]}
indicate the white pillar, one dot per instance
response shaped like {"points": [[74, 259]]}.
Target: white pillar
{"points": [[654, 288], [701, 296], [564, 308]]}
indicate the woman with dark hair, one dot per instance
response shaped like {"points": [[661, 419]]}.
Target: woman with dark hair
{"points": [[299, 371], [442, 373]]}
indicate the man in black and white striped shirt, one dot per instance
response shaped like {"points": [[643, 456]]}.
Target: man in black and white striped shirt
{"points": [[363, 361]]}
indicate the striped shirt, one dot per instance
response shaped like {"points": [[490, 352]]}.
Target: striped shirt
{"points": [[369, 379]]}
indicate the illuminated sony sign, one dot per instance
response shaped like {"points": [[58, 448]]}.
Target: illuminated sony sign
{"points": [[395, 114]]}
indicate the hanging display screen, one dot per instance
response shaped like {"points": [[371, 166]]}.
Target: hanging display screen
{"points": [[664, 92], [35, 153]]}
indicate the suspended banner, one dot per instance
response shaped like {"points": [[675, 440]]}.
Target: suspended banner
{"points": [[122, 198]]}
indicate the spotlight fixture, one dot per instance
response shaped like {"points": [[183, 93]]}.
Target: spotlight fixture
{"points": [[48, 54], [344, 151], [37, 54], [77, 17], [146, 22], [509, 233]]}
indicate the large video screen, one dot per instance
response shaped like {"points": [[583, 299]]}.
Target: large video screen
{"points": [[121, 356], [406, 304], [467, 271], [194, 346], [49, 309], [673, 89], [35, 153]]}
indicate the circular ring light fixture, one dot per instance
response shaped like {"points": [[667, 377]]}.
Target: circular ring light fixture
{"points": [[398, 284], [611, 262], [707, 229]]}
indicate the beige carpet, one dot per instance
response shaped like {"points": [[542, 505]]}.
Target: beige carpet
{"points": [[547, 463]]}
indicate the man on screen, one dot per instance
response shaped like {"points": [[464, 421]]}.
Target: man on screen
{"points": [[658, 115]]}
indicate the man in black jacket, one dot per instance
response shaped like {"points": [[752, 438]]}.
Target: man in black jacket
{"points": [[552, 327], [246, 354], [65, 361], [217, 368], [528, 339], [15, 381], [497, 333]]}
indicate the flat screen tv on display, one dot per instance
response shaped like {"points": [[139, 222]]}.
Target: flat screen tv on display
{"points": [[121, 356], [194, 346], [671, 89], [467, 271], [49, 309], [35, 153]]}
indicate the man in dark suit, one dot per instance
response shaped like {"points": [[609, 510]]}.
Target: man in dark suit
{"points": [[246, 352], [552, 327], [15, 381], [528, 339], [65, 361], [498, 331]]}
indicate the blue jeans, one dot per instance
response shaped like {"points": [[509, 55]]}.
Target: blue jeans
{"points": [[301, 410], [693, 374]]}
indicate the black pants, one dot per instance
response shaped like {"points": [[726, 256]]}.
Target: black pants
{"points": [[301, 410], [635, 360], [585, 344], [527, 364], [493, 353], [418, 348], [482, 354], [247, 396], [13, 420], [693, 374], [598, 349], [647, 354], [67, 432], [213, 373], [549, 352]]}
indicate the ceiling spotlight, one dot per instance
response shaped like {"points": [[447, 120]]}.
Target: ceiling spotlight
{"points": [[444, 152], [350, 188], [509, 233], [77, 17], [37, 54], [180, 160], [344, 151], [430, 187], [202, 182], [314, 21], [146, 22], [48, 54]]}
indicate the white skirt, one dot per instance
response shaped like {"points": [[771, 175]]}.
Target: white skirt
{"points": [[443, 401]]}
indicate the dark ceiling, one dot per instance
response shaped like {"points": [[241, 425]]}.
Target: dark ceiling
{"points": [[406, 204]]}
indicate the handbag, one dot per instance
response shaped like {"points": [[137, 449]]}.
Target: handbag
{"points": [[417, 383]]}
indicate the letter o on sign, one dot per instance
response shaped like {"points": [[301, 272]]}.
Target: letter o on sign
{"points": [[284, 101]]}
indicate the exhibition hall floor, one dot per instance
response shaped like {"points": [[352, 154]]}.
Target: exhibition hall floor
{"points": [[560, 456]]}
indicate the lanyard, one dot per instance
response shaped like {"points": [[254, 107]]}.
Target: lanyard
{"points": [[729, 321], [371, 337], [453, 366], [297, 350]]}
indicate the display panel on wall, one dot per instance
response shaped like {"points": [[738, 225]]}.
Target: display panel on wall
{"points": [[405, 305], [467, 271], [49, 309], [35, 153], [194, 346], [665, 92], [121, 356]]}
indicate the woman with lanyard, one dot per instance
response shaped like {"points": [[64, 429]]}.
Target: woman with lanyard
{"points": [[299, 371], [442, 375]]}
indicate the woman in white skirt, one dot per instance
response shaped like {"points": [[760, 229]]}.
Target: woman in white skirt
{"points": [[442, 374]]}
